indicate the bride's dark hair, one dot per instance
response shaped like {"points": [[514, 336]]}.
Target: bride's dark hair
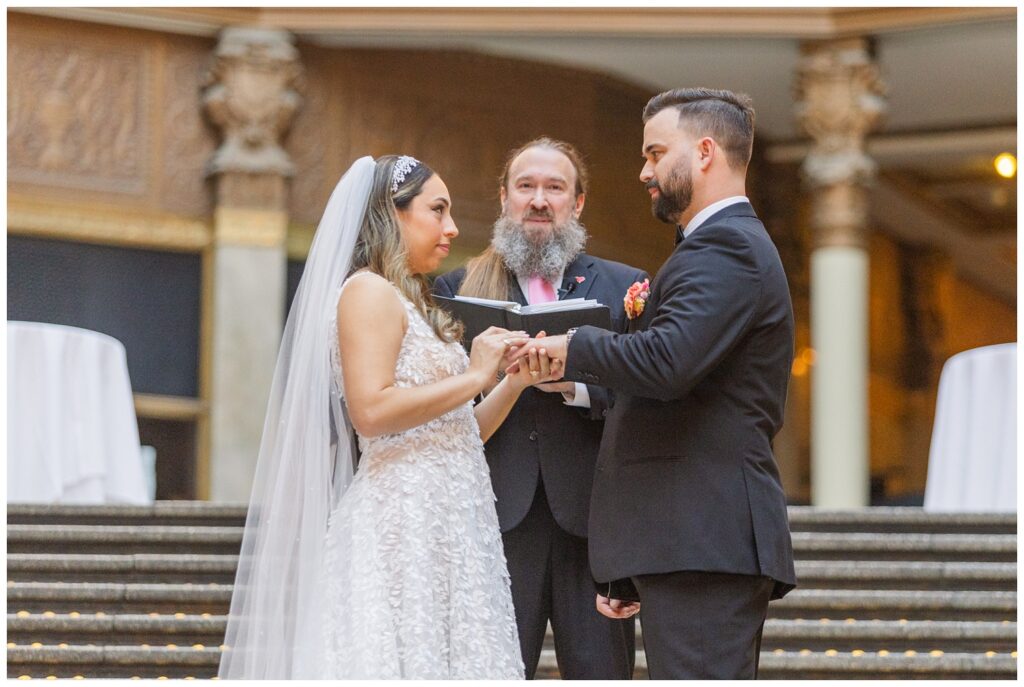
{"points": [[381, 250]]}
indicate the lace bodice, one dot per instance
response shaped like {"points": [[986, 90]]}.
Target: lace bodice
{"points": [[422, 359]]}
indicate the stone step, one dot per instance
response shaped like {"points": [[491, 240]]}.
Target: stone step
{"points": [[178, 513], [103, 540], [801, 518], [883, 665], [115, 539], [103, 661], [114, 598], [126, 662], [791, 635], [888, 604], [136, 567], [157, 629], [860, 546], [899, 519], [813, 604], [909, 575]]}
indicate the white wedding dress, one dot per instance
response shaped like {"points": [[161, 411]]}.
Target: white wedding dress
{"points": [[415, 583]]}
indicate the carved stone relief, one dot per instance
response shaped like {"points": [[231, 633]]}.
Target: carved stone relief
{"points": [[77, 115], [251, 95], [839, 97], [188, 139]]}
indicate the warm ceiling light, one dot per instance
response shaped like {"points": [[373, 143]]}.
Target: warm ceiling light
{"points": [[1006, 165]]}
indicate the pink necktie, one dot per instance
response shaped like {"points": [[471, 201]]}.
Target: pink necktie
{"points": [[540, 290]]}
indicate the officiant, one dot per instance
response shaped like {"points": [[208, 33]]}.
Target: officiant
{"points": [[542, 458]]}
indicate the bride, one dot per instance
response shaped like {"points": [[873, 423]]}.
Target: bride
{"points": [[394, 570]]}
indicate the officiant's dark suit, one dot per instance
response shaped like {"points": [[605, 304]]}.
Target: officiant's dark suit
{"points": [[542, 466]]}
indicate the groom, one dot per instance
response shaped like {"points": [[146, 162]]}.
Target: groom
{"points": [[542, 458], [688, 513]]}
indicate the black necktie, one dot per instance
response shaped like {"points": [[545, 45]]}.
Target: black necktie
{"points": [[679, 235]]}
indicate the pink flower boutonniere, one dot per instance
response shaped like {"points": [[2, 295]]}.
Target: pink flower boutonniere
{"points": [[636, 298], [580, 280]]}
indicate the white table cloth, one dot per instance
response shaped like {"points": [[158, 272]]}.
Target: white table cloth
{"points": [[72, 435], [972, 465]]}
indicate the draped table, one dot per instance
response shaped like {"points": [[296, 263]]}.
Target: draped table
{"points": [[972, 465], [72, 435]]}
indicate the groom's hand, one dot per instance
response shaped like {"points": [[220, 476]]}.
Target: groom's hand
{"points": [[616, 609], [555, 347]]}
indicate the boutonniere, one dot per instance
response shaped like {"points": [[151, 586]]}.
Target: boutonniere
{"points": [[580, 280], [636, 298]]}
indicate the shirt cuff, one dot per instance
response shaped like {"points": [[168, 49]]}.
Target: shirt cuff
{"points": [[582, 399]]}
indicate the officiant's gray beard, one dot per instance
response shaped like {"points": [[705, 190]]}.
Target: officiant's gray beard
{"points": [[547, 258]]}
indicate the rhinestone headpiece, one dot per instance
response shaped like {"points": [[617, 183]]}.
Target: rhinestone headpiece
{"points": [[405, 164]]}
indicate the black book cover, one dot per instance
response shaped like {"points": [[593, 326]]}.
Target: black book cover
{"points": [[477, 317]]}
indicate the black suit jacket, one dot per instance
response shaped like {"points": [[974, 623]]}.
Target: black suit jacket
{"points": [[543, 438], [686, 479]]}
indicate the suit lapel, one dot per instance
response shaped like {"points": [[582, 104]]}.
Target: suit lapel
{"points": [[572, 287], [517, 292]]}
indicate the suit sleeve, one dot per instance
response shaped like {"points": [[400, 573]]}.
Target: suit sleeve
{"points": [[601, 399], [709, 293], [442, 287]]}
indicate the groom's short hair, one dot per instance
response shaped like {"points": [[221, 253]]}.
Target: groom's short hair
{"points": [[725, 116]]}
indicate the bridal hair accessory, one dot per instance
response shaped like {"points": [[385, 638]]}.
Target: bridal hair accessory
{"points": [[636, 298], [405, 164]]}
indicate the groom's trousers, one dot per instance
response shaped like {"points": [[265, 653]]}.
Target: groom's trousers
{"points": [[551, 580], [702, 626]]}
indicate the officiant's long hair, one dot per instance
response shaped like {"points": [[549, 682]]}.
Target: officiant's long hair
{"points": [[487, 275], [380, 248]]}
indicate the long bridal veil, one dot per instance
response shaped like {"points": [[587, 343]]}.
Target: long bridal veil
{"points": [[305, 463]]}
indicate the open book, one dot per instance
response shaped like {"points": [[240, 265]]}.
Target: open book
{"points": [[556, 317]]}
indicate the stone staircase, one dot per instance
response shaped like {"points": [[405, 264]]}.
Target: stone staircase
{"points": [[884, 593]]}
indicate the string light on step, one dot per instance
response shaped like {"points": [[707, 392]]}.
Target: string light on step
{"points": [[910, 652], [62, 645], [936, 653], [23, 614], [37, 645], [74, 614], [883, 652], [805, 652], [831, 652], [154, 615], [24, 677], [11, 645], [857, 652], [198, 647], [48, 614], [179, 615]]}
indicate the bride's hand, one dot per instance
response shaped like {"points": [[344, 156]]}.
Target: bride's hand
{"points": [[488, 351]]}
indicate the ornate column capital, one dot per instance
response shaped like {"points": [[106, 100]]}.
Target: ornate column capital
{"points": [[839, 95], [251, 94]]}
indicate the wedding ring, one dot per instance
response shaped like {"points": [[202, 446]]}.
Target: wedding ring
{"points": [[534, 372]]}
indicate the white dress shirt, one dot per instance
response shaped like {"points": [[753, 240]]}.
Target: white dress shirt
{"points": [[704, 214], [582, 397]]}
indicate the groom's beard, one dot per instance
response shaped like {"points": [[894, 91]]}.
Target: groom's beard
{"points": [[675, 197], [547, 256]]}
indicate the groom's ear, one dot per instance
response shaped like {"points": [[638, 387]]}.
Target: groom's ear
{"points": [[503, 195]]}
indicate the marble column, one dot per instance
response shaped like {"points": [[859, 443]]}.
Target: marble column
{"points": [[250, 95], [839, 100]]}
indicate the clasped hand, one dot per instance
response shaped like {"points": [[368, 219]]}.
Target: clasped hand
{"points": [[497, 348]]}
